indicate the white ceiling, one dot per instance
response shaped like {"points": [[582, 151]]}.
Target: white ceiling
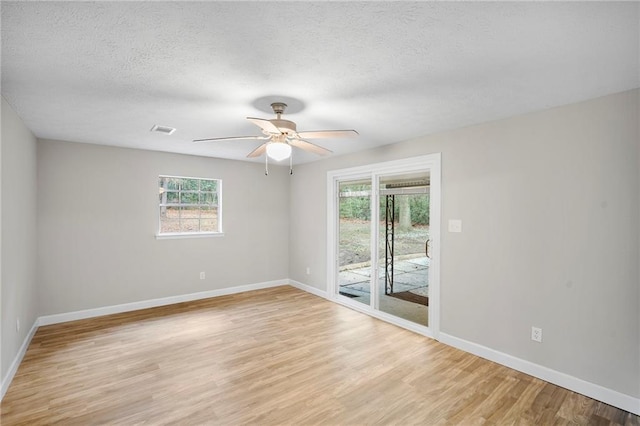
{"points": [[106, 72]]}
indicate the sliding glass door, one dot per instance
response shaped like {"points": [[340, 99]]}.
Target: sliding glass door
{"points": [[384, 240]]}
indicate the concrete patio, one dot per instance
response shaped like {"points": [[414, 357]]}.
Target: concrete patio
{"points": [[410, 274]]}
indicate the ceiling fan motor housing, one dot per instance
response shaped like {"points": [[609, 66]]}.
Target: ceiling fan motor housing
{"points": [[285, 126]]}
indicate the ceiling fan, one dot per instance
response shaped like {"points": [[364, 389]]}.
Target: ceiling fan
{"points": [[280, 135]]}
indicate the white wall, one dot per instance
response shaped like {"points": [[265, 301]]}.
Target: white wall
{"points": [[550, 209], [97, 218], [18, 223]]}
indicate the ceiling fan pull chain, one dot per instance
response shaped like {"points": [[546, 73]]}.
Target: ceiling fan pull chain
{"points": [[291, 163], [266, 165]]}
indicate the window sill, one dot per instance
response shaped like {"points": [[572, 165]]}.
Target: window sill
{"points": [[189, 235]]}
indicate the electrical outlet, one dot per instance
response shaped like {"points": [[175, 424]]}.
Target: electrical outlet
{"points": [[202, 275], [536, 334], [308, 271], [17, 324]]}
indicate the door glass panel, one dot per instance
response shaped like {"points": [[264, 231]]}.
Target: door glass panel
{"points": [[403, 247], [354, 240]]}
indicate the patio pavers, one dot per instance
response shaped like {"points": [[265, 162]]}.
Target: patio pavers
{"points": [[409, 275]]}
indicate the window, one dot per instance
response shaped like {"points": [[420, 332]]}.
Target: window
{"points": [[189, 206]]}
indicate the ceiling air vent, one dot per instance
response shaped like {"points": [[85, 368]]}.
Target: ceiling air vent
{"points": [[163, 129]]}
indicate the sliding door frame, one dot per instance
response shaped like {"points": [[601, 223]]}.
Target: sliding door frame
{"points": [[430, 163]]}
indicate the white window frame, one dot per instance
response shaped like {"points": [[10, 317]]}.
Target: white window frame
{"points": [[198, 234]]}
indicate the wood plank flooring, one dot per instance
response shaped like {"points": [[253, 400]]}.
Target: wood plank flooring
{"points": [[275, 356]]}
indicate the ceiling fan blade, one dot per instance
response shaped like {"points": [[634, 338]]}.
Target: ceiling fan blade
{"points": [[265, 125], [232, 138], [258, 151], [308, 146], [328, 134]]}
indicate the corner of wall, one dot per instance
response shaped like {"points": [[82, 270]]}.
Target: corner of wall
{"points": [[18, 298]]}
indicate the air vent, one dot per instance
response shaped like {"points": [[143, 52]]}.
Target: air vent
{"points": [[163, 129]]}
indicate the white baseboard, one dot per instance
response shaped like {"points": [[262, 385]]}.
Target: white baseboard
{"points": [[152, 303], [600, 393], [6, 380], [308, 288]]}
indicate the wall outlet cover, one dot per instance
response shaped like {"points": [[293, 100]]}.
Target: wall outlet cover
{"points": [[536, 334]]}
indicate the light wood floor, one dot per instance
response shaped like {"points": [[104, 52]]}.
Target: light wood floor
{"points": [[275, 356]]}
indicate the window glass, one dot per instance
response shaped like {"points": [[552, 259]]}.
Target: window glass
{"points": [[189, 205]]}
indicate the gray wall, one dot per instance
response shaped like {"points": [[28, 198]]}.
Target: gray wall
{"points": [[18, 252], [549, 204], [97, 218]]}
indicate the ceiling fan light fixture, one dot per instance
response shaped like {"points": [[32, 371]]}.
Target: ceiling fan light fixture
{"points": [[278, 151]]}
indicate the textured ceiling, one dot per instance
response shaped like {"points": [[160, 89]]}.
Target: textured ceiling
{"points": [[106, 72]]}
